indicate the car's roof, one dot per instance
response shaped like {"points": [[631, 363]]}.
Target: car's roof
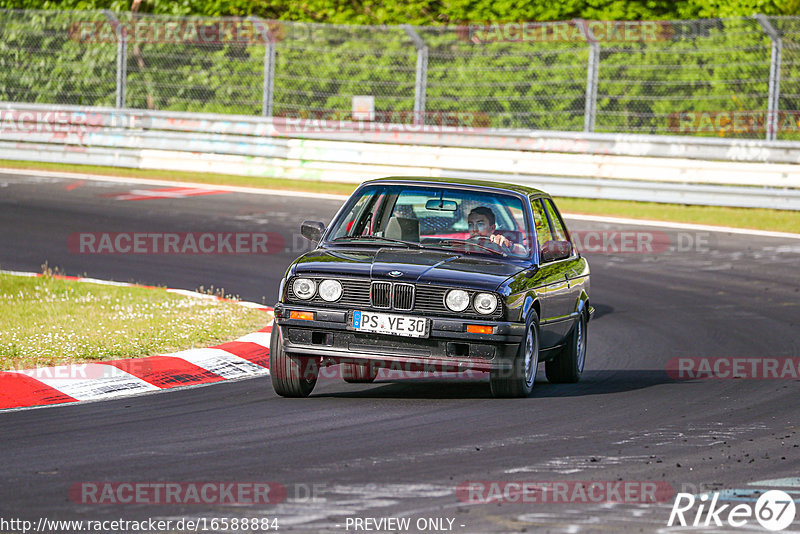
{"points": [[420, 180]]}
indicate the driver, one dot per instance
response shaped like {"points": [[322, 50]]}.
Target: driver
{"points": [[481, 223]]}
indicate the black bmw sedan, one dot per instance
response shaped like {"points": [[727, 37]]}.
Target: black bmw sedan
{"points": [[424, 274]]}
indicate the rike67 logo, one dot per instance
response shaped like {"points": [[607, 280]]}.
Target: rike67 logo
{"points": [[774, 510]]}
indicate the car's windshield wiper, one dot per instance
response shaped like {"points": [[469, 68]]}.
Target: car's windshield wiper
{"points": [[468, 243], [409, 244]]}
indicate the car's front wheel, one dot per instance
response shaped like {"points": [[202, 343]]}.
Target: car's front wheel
{"points": [[567, 367], [359, 373], [518, 381], [292, 376]]}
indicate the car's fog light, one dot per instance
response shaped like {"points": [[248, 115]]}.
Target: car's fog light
{"points": [[457, 300], [304, 288], [330, 290], [485, 303]]}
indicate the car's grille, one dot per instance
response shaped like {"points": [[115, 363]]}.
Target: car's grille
{"points": [[419, 298], [403, 296], [392, 295], [381, 294]]}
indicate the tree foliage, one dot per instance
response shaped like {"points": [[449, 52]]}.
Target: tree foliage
{"points": [[707, 66], [433, 12]]}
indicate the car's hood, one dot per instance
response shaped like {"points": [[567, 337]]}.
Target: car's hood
{"points": [[410, 265]]}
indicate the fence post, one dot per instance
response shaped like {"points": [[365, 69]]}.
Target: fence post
{"points": [[267, 91], [122, 57], [590, 100], [773, 104], [421, 81]]}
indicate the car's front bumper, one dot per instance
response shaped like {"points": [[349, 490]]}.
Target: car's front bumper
{"points": [[447, 347]]}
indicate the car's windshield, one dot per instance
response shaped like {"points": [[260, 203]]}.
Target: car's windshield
{"points": [[434, 217]]}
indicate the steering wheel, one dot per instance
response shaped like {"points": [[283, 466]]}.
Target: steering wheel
{"points": [[479, 239], [486, 241]]}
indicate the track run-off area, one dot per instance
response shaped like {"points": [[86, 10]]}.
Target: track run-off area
{"points": [[437, 453]]}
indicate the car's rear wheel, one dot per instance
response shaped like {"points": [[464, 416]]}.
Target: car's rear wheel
{"points": [[292, 376], [567, 367], [518, 381], [359, 373]]}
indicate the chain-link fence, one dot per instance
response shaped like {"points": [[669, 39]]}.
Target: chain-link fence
{"points": [[713, 77]]}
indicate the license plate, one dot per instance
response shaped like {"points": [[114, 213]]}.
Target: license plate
{"points": [[386, 323]]}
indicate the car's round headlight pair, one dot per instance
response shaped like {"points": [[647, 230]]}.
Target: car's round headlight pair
{"points": [[457, 300], [305, 288]]}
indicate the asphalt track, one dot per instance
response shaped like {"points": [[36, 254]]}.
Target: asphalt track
{"points": [[400, 449]]}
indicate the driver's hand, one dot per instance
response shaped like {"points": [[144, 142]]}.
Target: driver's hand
{"points": [[500, 240]]}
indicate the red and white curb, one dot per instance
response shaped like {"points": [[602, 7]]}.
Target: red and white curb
{"points": [[245, 357]]}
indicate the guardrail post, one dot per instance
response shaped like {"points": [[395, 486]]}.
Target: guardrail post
{"points": [[773, 104], [590, 110], [122, 57], [269, 80], [590, 100], [267, 90], [421, 82]]}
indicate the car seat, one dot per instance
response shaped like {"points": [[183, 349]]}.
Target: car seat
{"points": [[402, 228]]}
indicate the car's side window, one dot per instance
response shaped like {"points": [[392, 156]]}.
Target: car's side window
{"points": [[540, 221], [559, 233], [517, 216], [359, 217]]}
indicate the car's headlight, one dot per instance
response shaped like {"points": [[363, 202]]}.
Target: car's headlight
{"points": [[330, 290], [304, 288], [485, 303], [457, 300]]}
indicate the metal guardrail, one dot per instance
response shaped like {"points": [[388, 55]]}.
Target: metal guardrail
{"points": [[94, 118], [649, 168]]}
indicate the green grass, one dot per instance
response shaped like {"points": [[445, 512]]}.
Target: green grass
{"points": [[48, 321], [760, 219]]}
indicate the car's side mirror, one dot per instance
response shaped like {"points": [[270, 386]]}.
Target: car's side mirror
{"points": [[555, 250], [312, 230]]}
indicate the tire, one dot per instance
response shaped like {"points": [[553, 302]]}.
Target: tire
{"points": [[518, 382], [567, 367], [359, 373], [292, 376]]}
